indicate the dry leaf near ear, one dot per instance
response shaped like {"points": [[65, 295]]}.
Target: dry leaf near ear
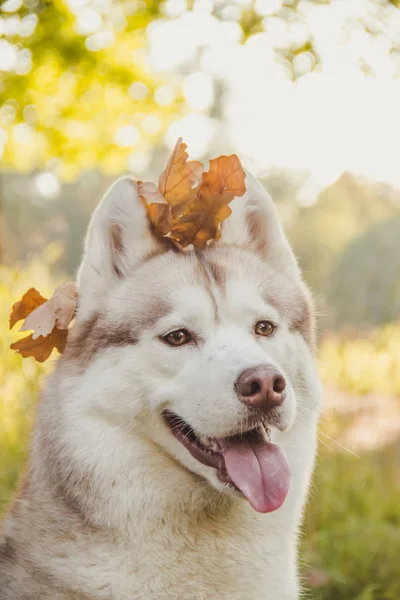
{"points": [[42, 347], [48, 319], [21, 309], [188, 206]]}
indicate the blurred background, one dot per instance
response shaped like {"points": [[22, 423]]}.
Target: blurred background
{"points": [[307, 93]]}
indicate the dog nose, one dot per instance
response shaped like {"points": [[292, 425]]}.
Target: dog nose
{"points": [[261, 387]]}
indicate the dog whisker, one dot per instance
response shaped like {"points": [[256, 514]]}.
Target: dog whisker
{"points": [[324, 444], [339, 445]]}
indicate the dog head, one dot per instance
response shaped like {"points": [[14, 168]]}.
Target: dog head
{"points": [[203, 352]]}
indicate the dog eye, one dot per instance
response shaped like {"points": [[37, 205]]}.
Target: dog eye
{"points": [[178, 337], [265, 328]]}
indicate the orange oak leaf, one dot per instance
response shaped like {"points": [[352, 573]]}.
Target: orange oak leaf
{"points": [[225, 177], [49, 321], [160, 217], [199, 219], [159, 212], [21, 309], [150, 192], [177, 183], [41, 347]]}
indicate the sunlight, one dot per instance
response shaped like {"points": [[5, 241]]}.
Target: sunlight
{"points": [[47, 185], [279, 122], [197, 131], [198, 89], [128, 135]]}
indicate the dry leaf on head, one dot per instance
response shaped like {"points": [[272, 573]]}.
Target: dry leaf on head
{"points": [[180, 177], [225, 178], [188, 205], [160, 218], [159, 212], [150, 192], [201, 218]]}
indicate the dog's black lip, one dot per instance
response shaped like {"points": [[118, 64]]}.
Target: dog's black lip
{"points": [[187, 437]]}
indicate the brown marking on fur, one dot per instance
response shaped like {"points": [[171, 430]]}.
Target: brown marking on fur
{"points": [[94, 335], [259, 243], [64, 496], [205, 279], [21, 493], [218, 274], [68, 495], [97, 334], [293, 302], [164, 245], [63, 493], [8, 552], [303, 321], [155, 310], [200, 272], [297, 312], [117, 247]]}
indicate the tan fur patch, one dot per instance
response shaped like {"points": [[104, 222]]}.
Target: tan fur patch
{"points": [[97, 333], [94, 335], [218, 273], [304, 321]]}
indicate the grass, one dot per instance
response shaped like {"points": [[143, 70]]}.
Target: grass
{"points": [[369, 364], [351, 543], [352, 527]]}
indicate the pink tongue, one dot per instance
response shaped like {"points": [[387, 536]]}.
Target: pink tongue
{"points": [[259, 469]]}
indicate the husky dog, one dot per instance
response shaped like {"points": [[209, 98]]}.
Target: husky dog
{"points": [[175, 441]]}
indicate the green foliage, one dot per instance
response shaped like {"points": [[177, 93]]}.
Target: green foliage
{"points": [[343, 211], [363, 365], [32, 222], [72, 97], [352, 527], [364, 285]]}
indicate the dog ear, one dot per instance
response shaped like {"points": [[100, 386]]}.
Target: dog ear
{"points": [[119, 235], [254, 223]]}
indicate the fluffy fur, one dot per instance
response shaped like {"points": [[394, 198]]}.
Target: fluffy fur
{"points": [[112, 506]]}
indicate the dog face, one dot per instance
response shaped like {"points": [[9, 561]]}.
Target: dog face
{"points": [[200, 351]]}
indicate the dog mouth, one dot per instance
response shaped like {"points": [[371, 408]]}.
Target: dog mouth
{"points": [[248, 462]]}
